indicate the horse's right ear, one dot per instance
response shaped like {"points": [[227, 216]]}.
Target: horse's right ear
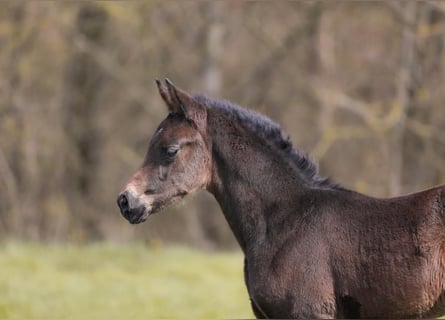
{"points": [[163, 91], [182, 103], [171, 96]]}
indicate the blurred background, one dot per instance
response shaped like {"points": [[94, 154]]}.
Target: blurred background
{"points": [[358, 85]]}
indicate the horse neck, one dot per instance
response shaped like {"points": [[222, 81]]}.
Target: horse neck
{"points": [[251, 182]]}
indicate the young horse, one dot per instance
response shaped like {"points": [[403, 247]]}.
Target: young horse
{"points": [[312, 249]]}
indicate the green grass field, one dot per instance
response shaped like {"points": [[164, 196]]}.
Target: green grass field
{"points": [[105, 281]]}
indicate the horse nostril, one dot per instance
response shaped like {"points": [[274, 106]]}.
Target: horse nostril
{"points": [[149, 191], [122, 202]]}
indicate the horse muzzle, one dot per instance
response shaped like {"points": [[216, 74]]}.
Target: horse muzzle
{"points": [[131, 208]]}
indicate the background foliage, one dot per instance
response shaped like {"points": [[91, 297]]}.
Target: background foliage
{"points": [[359, 85]]}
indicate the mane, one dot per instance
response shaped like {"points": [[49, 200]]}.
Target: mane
{"points": [[272, 133]]}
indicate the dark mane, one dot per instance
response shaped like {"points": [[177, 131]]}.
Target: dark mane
{"points": [[273, 134]]}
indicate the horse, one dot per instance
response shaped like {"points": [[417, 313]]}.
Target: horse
{"points": [[312, 248]]}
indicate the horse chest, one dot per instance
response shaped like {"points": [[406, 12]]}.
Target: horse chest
{"points": [[268, 301], [288, 292], [290, 302], [264, 290]]}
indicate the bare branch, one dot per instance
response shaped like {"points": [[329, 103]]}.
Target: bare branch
{"points": [[333, 134], [438, 5], [337, 99], [425, 131], [105, 60]]}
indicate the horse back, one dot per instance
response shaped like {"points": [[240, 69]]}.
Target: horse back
{"points": [[389, 254]]}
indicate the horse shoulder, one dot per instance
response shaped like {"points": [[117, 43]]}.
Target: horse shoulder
{"points": [[292, 274]]}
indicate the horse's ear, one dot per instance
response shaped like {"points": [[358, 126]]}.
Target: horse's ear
{"points": [[183, 103], [176, 101], [170, 96], [165, 96]]}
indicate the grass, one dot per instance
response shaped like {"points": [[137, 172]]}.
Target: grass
{"points": [[104, 281]]}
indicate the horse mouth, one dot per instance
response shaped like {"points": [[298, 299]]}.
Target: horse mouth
{"points": [[136, 216], [142, 213], [139, 219], [162, 203]]}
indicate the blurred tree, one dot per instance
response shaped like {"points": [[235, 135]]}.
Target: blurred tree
{"points": [[23, 158], [358, 84], [422, 166], [213, 224], [403, 101], [83, 88]]}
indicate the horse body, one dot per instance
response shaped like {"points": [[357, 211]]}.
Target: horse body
{"points": [[388, 254], [312, 249], [374, 258]]}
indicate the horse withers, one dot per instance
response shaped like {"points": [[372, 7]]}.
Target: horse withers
{"points": [[312, 249]]}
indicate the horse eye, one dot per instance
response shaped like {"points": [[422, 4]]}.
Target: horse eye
{"points": [[172, 151]]}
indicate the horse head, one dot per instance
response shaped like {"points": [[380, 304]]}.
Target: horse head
{"points": [[177, 161]]}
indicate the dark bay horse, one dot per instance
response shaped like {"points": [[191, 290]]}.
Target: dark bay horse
{"points": [[312, 248]]}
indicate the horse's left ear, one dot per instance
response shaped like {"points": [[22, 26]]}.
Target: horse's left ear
{"points": [[183, 103]]}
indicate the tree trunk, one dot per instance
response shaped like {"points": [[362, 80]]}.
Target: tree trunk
{"points": [[403, 98], [83, 85], [213, 225]]}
